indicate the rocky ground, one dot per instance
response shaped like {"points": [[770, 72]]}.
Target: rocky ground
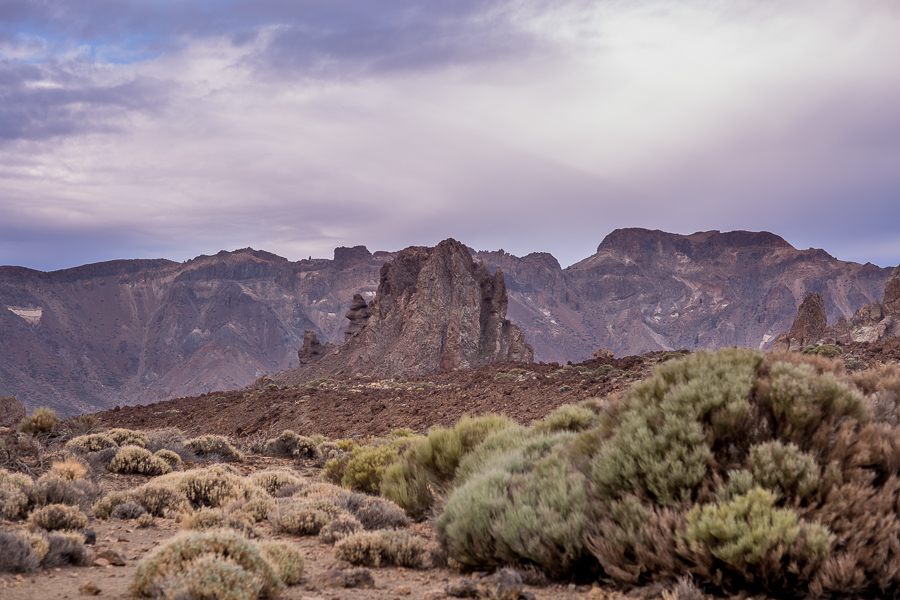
{"points": [[347, 408]]}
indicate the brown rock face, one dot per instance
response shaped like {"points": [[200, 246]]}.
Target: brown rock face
{"points": [[436, 309], [358, 314], [11, 411], [892, 294], [313, 349], [811, 322]]}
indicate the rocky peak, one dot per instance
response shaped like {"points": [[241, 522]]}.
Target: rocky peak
{"points": [[811, 322], [344, 257], [313, 349], [436, 309], [891, 302]]}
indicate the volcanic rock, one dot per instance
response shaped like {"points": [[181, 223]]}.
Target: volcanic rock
{"points": [[358, 314], [809, 328], [313, 349], [892, 294], [436, 309], [11, 411]]}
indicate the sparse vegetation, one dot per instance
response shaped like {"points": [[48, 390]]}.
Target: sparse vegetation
{"points": [[57, 516], [138, 460], [42, 421], [214, 446], [382, 548]]}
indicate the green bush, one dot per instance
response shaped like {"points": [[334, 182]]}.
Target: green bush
{"points": [[760, 544], [671, 421], [93, 442], [211, 446], [429, 465], [212, 486], [529, 506], [57, 516], [382, 548], [128, 437], [177, 559], [784, 468], [568, 417], [139, 461], [41, 422]]}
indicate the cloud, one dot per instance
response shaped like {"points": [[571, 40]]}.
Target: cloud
{"points": [[179, 128]]}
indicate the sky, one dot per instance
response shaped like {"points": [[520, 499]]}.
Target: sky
{"points": [[173, 128]]}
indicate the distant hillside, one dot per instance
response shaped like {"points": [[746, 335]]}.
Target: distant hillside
{"points": [[129, 332]]}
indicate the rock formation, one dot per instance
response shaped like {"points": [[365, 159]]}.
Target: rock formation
{"points": [[313, 350], [11, 411], [358, 314], [436, 309], [872, 322]]}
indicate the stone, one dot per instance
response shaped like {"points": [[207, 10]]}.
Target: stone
{"points": [[112, 557], [404, 590], [11, 411], [313, 349], [462, 588], [602, 353], [89, 589], [358, 315], [891, 301], [809, 326], [505, 584], [346, 578]]}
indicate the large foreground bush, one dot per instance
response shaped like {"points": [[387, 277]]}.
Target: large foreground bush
{"points": [[747, 472]]}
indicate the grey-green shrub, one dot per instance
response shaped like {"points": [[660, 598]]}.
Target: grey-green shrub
{"points": [[177, 558], [169, 457], [784, 468], [57, 516], [286, 559], [93, 442], [128, 437], [139, 461], [211, 446], [382, 548], [42, 421], [568, 417]]}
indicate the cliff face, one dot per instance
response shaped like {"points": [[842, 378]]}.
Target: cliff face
{"points": [[650, 290], [130, 332], [126, 332], [435, 310]]}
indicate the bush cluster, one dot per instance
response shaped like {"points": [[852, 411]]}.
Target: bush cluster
{"points": [[382, 548], [744, 471], [214, 447], [42, 421]]}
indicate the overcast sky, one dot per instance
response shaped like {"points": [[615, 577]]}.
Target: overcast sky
{"points": [[172, 128]]}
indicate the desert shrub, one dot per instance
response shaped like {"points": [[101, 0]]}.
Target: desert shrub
{"points": [[273, 480], [104, 507], [286, 559], [169, 457], [291, 445], [41, 422], [57, 516], [160, 499], [523, 510], [178, 556], [373, 512], [211, 486], [760, 544], [214, 446], [334, 468], [568, 417], [83, 425], [804, 401], [65, 549], [212, 576], [340, 527], [16, 555], [52, 489], [127, 510], [784, 468], [13, 502], [366, 464], [322, 490], [671, 421], [429, 465], [145, 520], [16, 479], [128, 437], [297, 519], [382, 548], [212, 518], [137, 460], [92, 442], [328, 451], [826, 350], [69, 468], [256, 509], [171, 439], [100, 459]]}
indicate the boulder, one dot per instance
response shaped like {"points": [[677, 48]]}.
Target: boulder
{"points": [[11, 411]]}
